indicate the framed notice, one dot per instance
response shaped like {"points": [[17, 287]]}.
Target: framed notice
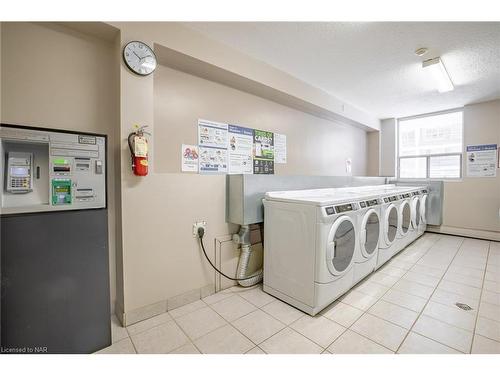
{"points": [[263, 152], [481, 160]]}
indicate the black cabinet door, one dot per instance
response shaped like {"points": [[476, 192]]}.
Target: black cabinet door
{"points": [[55, 282]]}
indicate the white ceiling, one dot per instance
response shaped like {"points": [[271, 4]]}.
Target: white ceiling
{"points": [[372, 65]]}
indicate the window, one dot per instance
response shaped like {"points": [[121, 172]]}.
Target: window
{"points": [[430, 146]]}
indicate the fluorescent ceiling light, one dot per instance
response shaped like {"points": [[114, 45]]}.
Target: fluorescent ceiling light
{"points": [[438, 71]]}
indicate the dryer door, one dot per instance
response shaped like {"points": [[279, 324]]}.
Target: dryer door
{"points": [[391, 224], [415, 212], [405, 217], [369, 233], [422, 209], [341, 245]]}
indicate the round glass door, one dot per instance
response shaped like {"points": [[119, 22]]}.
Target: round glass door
{"points": [[405, 217], [422, 209], [417, 212], [392, 224], [371, 228], [342, 242]]}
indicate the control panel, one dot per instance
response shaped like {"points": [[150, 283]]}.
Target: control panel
{"points": [[345, 208], [70, 170], [405, 195]]}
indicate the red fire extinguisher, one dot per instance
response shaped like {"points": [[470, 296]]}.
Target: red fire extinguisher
{"points": [[138, 145]]}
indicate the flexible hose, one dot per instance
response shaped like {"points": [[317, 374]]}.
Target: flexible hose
{"points": [[241, 272]]}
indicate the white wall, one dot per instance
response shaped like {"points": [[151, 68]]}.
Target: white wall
{"points": [[388, 133]]}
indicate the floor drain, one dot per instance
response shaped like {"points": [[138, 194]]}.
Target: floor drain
{"points": [[463, 306]]}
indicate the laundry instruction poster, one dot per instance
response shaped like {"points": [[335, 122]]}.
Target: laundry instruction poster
{"points": [[482, 160], [212, 147], [279, 148], [240, 149], [263, 152]]}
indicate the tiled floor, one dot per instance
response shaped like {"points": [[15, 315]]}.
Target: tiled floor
{"points": [[408, 306]]}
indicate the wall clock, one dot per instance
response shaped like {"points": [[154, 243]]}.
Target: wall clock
{"points": [[139, 58]]}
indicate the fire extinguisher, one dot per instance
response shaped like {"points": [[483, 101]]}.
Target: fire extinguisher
{"points": [[138, 145]]}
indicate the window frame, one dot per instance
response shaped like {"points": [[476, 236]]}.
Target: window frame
{"points": [[429, 156]]}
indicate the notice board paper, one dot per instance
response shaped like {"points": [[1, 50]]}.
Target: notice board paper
{"points": [[240, 149], [212, 143], [190, 157], [263, 152], [482, 160], [279, 148]]}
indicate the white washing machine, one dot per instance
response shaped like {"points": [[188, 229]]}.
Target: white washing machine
{"points": [[388, 230], [423, 210], [368, 225], [311, 239]]}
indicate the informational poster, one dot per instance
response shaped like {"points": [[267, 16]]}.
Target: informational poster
{"points": [[240, 149], [279, 148], [482, 160], [263, 155], [190, 157], [212, 143]]}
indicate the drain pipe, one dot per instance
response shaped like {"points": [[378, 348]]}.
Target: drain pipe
{"points": [[243, 238]]}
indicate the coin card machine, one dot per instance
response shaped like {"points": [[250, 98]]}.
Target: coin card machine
{"points": [[54, 243]]}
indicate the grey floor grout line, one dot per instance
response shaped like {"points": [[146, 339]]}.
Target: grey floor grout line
{"points": [[480, 298], [429, 299]]}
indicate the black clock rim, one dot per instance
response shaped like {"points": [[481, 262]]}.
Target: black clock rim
{"points": [[129, 67]]}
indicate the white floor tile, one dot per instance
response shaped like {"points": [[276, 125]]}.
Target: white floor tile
{"points": [[450, 299], [451, 315], [413, 288], [359, 300], [342, 313], [488, 328], [318, 329], [161, 339], [200, 322], [289, 341], [186, 349], [466, 271], [255, 350], [256, 296], [400, 264], [457, 338], [224, 340], [351, 342], [457, 288], [186, 309], [283, 312], [421, 278], [380, 331], [258, 326], [124, 346], [490, 276], [406, 300], [383, 279], [492, 286], [118, 332], [392, 271], [462, 279], [418, 344], [429, 271], [210, 300], [233, 308], [490, 311], [490, 297], [372, 289], [484, 345], [393, 313], [139, 327]]}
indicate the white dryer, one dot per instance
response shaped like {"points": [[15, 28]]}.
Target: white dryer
{"points": [[403, 236], [423, 210], [311, 239]]}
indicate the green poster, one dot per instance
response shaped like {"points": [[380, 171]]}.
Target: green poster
{"points": [[263, 152]]}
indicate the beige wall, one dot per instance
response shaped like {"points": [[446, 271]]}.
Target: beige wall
{"points": [[372, 153], [474, 203], [55, 77]]}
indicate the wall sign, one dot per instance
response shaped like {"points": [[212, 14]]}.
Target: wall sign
{"points": [[212, 143], [263, 156], [189, 157], [482, 160], [240, 149], [279, 148]]}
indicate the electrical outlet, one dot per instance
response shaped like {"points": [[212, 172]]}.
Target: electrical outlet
{"points": [[198, 224]]}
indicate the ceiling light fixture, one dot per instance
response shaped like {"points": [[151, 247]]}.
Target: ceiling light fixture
{"points": [[438, 71]]}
